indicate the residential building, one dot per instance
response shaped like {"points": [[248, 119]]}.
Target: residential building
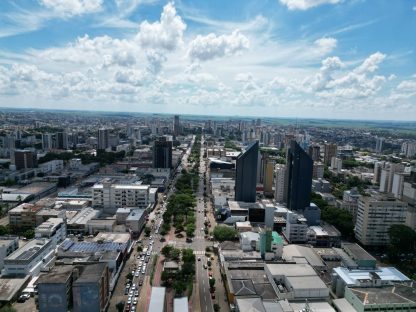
{"points": [[375, 215], [280, 183], [299, 176], [409, 149], [176, 125], [61, 140], [109, 197], [296, 228], [25, 159], [246, 174], [268, 177], [23, 216], [47, 141], [162, 153], [103, 139], [330, 150], [379, 145], [318, 170], [315, 152]]}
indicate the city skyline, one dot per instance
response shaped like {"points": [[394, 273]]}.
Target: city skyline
{"points": [[327, 59]]}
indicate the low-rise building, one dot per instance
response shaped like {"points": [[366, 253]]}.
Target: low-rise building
{"points": [[296, 228], [158, 299], [23, 216], [53, 229], [29, 259], [8, 244]]}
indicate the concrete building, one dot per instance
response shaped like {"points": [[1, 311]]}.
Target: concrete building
{"points": [[52, 166], [318, 170], [29, 259], [375, 215], [55, 289], [379, 145], [409, 149], [25, 159], [8, 244], [321, 185], [176, 125], [103, 139], [23, 216], [136, 220], [108, 197], [268, 177], [299, 177], [336, 164], [387, 176], [78, 224], [246, 174], [315, 152], [157, 299], [91, 289], [162, 153], [296, 228], [330, 150], [53, 229], [280, 185]]}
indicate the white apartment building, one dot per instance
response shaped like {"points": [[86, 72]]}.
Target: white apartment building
{"points": [[279, 178], [52, 166], [30, 259], [53, 229], [109, 197], [375, 215]]}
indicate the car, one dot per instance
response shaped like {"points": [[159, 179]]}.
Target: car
{"points": [[147, 259], [135, 301], [131, 292], [212, 296], [136, 293], [140, 282], [129, 301], [137, 274], [205, 266], [199, 258], [210, 274], [202, 229], [162, 239], [133, 309]]}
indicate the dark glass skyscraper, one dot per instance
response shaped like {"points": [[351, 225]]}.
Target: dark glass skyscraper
{"points": [[246, 174], [162, 153], [299, 177]]}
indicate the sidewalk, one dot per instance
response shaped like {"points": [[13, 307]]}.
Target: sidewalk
{"points": [[220, 293]]}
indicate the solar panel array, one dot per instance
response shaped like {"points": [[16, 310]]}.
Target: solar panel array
{"points": [[91, 246]]}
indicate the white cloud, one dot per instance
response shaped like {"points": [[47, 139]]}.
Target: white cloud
{"points": [[414, 8], [133, 77], [69, 8], [407, 86], [326, 45], [371, 63], [306, 4], [204, 48], [165, 34], [155, 61]]}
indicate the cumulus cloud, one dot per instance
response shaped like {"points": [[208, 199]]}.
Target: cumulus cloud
{"points": [[326, 45], [165, 34], [69, 8], [204, 48], [306, 4], [133, 77], [155, 61]]}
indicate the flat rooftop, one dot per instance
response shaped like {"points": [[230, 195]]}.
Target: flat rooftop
{"points": [[290, 269], [92, 273], [10, 286], [28, 251], [58, 275], [119, 238], [357, 252], [35, 188], [397, 294], [352, 277]]}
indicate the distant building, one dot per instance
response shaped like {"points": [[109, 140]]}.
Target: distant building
{"points": [[47, 141], [315, 152], [246, 174], [299, 176], [379, 144], [8, 244], [176, 125], [268, 177], [54, 229], [91, 289], [103, 139], [24, 159], [162, 153], [375, 215], [61, 140], [330, 150], [318, 170], [280, 185], [23, 216], [409, 149]]}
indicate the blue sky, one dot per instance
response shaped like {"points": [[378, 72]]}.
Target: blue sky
{"points": [[284, 58]]}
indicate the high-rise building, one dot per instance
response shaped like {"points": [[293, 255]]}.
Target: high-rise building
{"points": [[279, 192], [176, 125], [330, 150], [379, 144], [24, 159], [162, 153], [299, 177], [375, 215], [246, 174], [62, 140], [103, 139], [268, 176], [315, 152], [46, 141]]}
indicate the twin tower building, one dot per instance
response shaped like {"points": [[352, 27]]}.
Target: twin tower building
{"points": [[298, 177]]}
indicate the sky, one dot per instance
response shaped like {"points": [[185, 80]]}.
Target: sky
{"points": [[343, 59]]}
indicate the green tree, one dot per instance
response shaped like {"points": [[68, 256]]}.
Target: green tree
{"points": [[129, 276], [188, 255], [139, 248], [175, 254], [211, 282], [7, 308], [29, 234], [179, 286], [402, 240], [167, 250], [147, 231], [4, 230], [216, 307], [224, 233], [120, 306]]}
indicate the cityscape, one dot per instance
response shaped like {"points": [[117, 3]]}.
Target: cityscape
{"points": [[207, 156]]}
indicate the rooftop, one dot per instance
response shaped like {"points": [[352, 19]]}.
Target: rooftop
{"points": [[57, 275], [290, 269], [91, 273], [180, 304], [356, 252], [353, 277], [10, 286], [157, 299], [29, 251], [397, 294]]}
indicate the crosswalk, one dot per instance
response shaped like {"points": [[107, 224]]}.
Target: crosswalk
{"points": [[199, 252]]}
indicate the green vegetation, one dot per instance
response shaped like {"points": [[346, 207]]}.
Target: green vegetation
{"points": [[182, 279], [120, 306], [402, 240], [341, 184], [216, 307], [147, 231], [339, 218], [223, 233], [231, 145], [7, 308], [152, 274], [129, 276], [139, 248], [211, 282]]}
